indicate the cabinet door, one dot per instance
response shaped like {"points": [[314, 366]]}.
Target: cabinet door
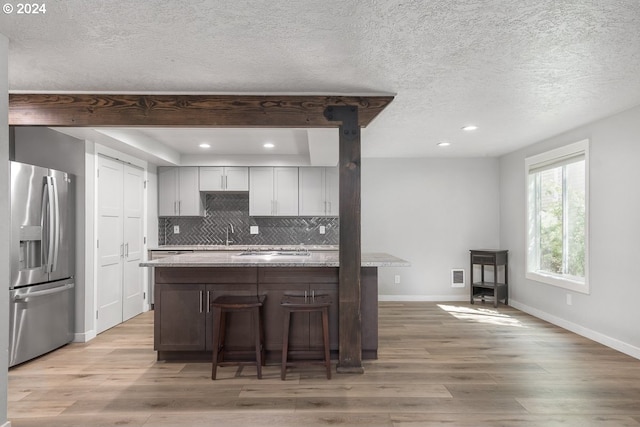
{"points": [[238, 335], [189, 202], [180, 317], [261, 191], [236, 178], [168, 192], [212, 178], [285, 191], [332, 190], [315, 321], [274, 317], [311, 195]]}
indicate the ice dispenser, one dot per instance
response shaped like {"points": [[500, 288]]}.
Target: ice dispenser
{"points": [[30, 247]]}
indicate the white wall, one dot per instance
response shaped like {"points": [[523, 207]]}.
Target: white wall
{"points": [[609, 314], [430, 212], [44, 147], [4, 225]]}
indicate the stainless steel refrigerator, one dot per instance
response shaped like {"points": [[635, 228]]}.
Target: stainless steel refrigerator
{"points": [[41, 288]]}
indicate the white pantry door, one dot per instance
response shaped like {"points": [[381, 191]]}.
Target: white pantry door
{"points": [[133, 197], [120, 242], [110, 245]]}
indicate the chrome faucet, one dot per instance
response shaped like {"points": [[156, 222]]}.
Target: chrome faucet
{"points": [[229, 226]]}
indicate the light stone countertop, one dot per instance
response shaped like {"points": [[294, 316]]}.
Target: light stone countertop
{"points": [[234, 259], [243, 247]]}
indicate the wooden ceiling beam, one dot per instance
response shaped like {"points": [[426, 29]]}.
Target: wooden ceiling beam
{"points": [[94, 110]]}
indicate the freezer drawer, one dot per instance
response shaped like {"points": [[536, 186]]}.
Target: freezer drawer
{"points": [[41, 319]]}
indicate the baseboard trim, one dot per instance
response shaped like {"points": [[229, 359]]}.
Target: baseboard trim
{"points": [[431, 298], [613, 343], [84, 336]]}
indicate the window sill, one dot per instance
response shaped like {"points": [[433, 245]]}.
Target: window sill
{"points": [[565, 283]]}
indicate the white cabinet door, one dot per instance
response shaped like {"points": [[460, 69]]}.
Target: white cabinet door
{"points": [[261, 191], [189, 201], [228, 178], [318, 191], [312, 192], [285, 191], [236, 178], [332, 191], [168, 191], [133, 197], [212, 178], [179, 192]]}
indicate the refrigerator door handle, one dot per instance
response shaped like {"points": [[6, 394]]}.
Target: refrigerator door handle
{"points": [[44, 226], [56, 224], [48, 218], [23, 297]]}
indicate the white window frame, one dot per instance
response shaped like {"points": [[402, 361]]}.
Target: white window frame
{"points": [[534, 162]]}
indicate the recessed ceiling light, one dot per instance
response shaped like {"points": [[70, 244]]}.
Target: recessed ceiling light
{"points": [[205, 145], [470, 127], [443, 144], [268, 145]]}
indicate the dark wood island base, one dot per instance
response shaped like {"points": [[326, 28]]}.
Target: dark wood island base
{"points": [[183, 329]]}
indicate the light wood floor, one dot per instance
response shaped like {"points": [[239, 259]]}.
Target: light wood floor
{"points": [[448, 364]]}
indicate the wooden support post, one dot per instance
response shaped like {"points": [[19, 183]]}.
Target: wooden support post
{"points": [[350, 340]]}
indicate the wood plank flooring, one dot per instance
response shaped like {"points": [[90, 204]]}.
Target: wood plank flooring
{"points": [[450, 364]]}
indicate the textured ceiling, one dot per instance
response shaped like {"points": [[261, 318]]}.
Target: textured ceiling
{"points": [[521, 70]]}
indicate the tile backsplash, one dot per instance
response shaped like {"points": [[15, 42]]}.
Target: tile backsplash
{"points": [[223, 209]]}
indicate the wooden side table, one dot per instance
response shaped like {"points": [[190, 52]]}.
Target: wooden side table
{"points": [[495, 289]]}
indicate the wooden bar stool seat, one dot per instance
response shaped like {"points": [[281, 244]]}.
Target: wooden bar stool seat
{"points": [[297, 304], [228, 304]]}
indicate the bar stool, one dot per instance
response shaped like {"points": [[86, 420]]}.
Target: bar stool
{"points": [[227, 304], [297, 304]]}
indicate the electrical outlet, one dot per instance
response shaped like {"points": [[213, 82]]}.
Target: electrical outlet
{"points": [[253, 229], [322, 229], [397, 278], [176, 229], [569, 299]]}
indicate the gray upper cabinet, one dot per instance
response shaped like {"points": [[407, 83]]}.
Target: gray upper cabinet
{"points": [[273, 191], [224, 178], [178, 192], [318, 195]]}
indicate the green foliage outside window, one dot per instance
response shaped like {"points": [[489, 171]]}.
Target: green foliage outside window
{"points": [[553, 221]]}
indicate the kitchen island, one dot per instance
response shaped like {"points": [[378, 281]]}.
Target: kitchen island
{"points": [[185, 285]]}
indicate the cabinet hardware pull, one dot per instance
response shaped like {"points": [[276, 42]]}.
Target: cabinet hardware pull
{"points": [[201, 301], [208, 301], [126, 250], [121, 250], [222, 182]]}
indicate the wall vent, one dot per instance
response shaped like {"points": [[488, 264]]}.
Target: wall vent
{"points": [[457, 278]]}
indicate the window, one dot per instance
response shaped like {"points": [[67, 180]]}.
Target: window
{"points": [[557, 217]]}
